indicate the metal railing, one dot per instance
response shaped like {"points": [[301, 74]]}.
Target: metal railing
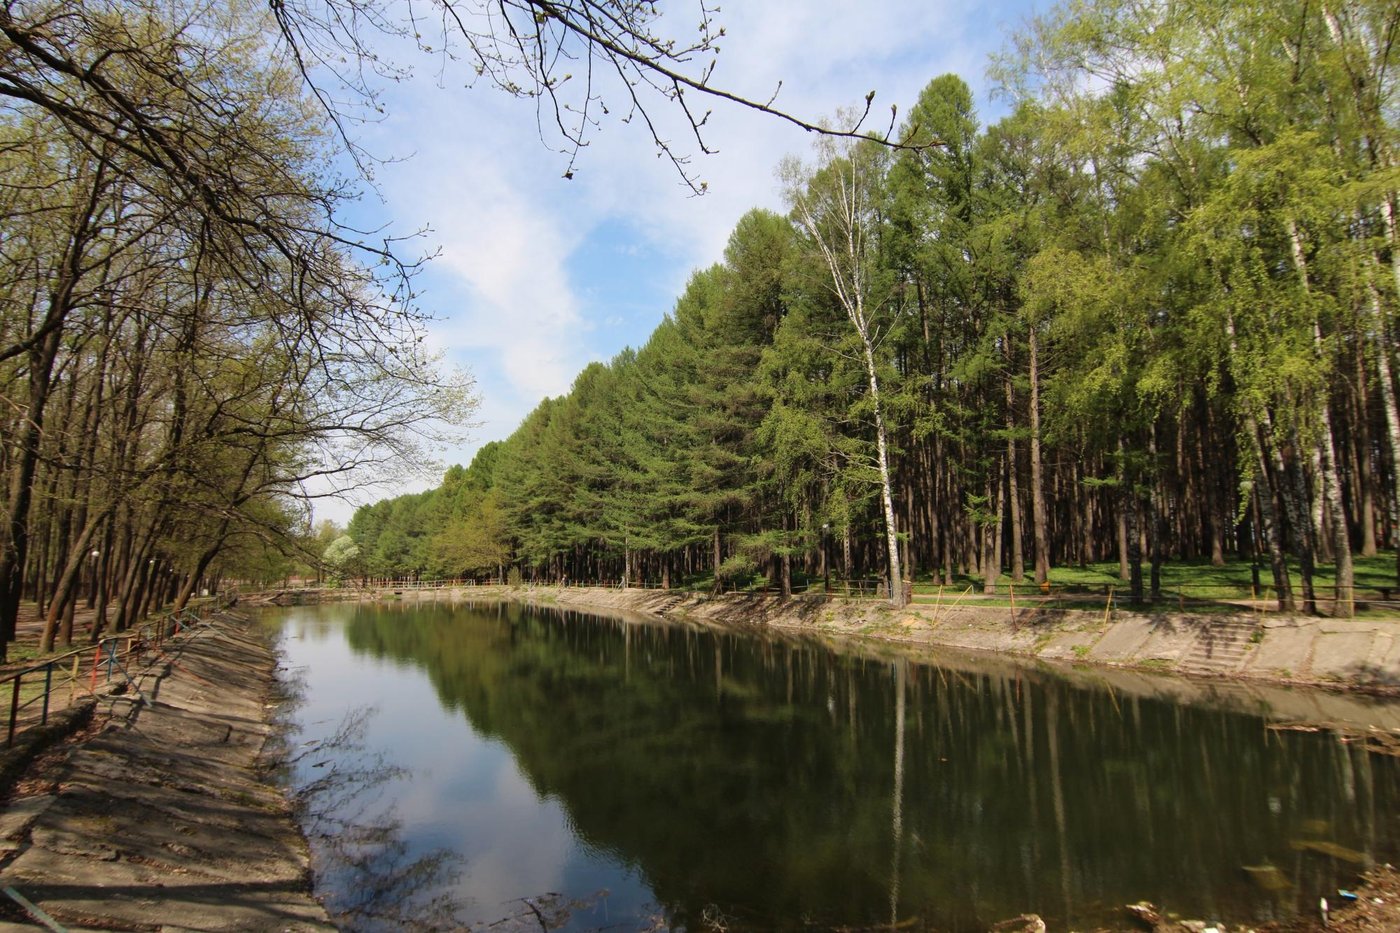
{"points": [[79, 669]]}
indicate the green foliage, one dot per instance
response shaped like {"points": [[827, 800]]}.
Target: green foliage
{"points": [[1173, 261], [342, 556]]}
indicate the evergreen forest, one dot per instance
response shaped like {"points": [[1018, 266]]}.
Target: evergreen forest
{"points": [[1146, 316]]}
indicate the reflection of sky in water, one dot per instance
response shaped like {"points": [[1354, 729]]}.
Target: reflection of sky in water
{"points": [[465, 793]]}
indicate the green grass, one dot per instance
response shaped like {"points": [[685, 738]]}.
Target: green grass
{"points": [[1195, 578], [23, 652], [1194, 584]]}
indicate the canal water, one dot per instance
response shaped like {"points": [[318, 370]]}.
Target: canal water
{"points": [[494, 764]]}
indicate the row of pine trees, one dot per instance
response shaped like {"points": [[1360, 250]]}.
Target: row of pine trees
{"points": [[1146, 316]]}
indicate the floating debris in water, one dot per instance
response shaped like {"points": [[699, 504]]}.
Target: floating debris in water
{"points": [[1331, 849], [1268, 877]]}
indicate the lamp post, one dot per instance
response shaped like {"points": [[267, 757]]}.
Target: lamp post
{"points": [[92, 569], [826, 566]]}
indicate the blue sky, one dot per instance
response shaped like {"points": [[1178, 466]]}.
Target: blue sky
{"points": [[538, 275]]}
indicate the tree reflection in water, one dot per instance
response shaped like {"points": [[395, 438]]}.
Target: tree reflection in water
{"points": [[554, 911], [371, 878], [754, 781]]}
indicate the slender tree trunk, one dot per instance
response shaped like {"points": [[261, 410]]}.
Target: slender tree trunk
{"points": [[65, 590], [1039, 522], [839, 227], [54, 539], [1293, 490], [1264, 451], [1122, 541], [1341, 538], [1315, 500], [1289, 479], [1132, 509], [62, 526], [1153, 525], [1389, 406], [988, 529], [886, 486], [1273, 538], [997, 526], [929, 505], [1359, 450], [1091, 514], [846, 559], [912, 532], [14, 553], [104, 561], [206, 557], [1013, 494], [1331, 490], [1214, 511]]}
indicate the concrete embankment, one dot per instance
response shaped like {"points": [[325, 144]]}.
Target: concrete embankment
{"points": [[165, 818], [1343, 653], [1250, 660]]}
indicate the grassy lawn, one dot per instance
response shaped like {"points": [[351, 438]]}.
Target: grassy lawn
{"points": [[1084, 587], [1192, 579]]}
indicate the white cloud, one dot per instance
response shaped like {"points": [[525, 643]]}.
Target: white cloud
{"points": [[827, 55], [508, 225], [499, 284]]}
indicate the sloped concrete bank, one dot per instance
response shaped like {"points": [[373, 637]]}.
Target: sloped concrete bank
{"points": [[165, 819], [1341, 653], [1255, 662]]}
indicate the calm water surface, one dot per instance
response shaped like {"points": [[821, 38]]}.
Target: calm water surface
{"points": [[646, 772]]}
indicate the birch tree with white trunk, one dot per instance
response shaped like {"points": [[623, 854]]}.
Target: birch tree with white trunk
{"points": [[834, 206]]}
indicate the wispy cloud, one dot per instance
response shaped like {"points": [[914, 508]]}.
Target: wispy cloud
{"points": [[499, 286], [510, 229]]}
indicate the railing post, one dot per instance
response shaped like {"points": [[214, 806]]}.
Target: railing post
{"points": [[48, 685], [14, 711]]}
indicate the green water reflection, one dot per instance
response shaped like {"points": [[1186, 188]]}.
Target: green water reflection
{"points": [[780, 783]]}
